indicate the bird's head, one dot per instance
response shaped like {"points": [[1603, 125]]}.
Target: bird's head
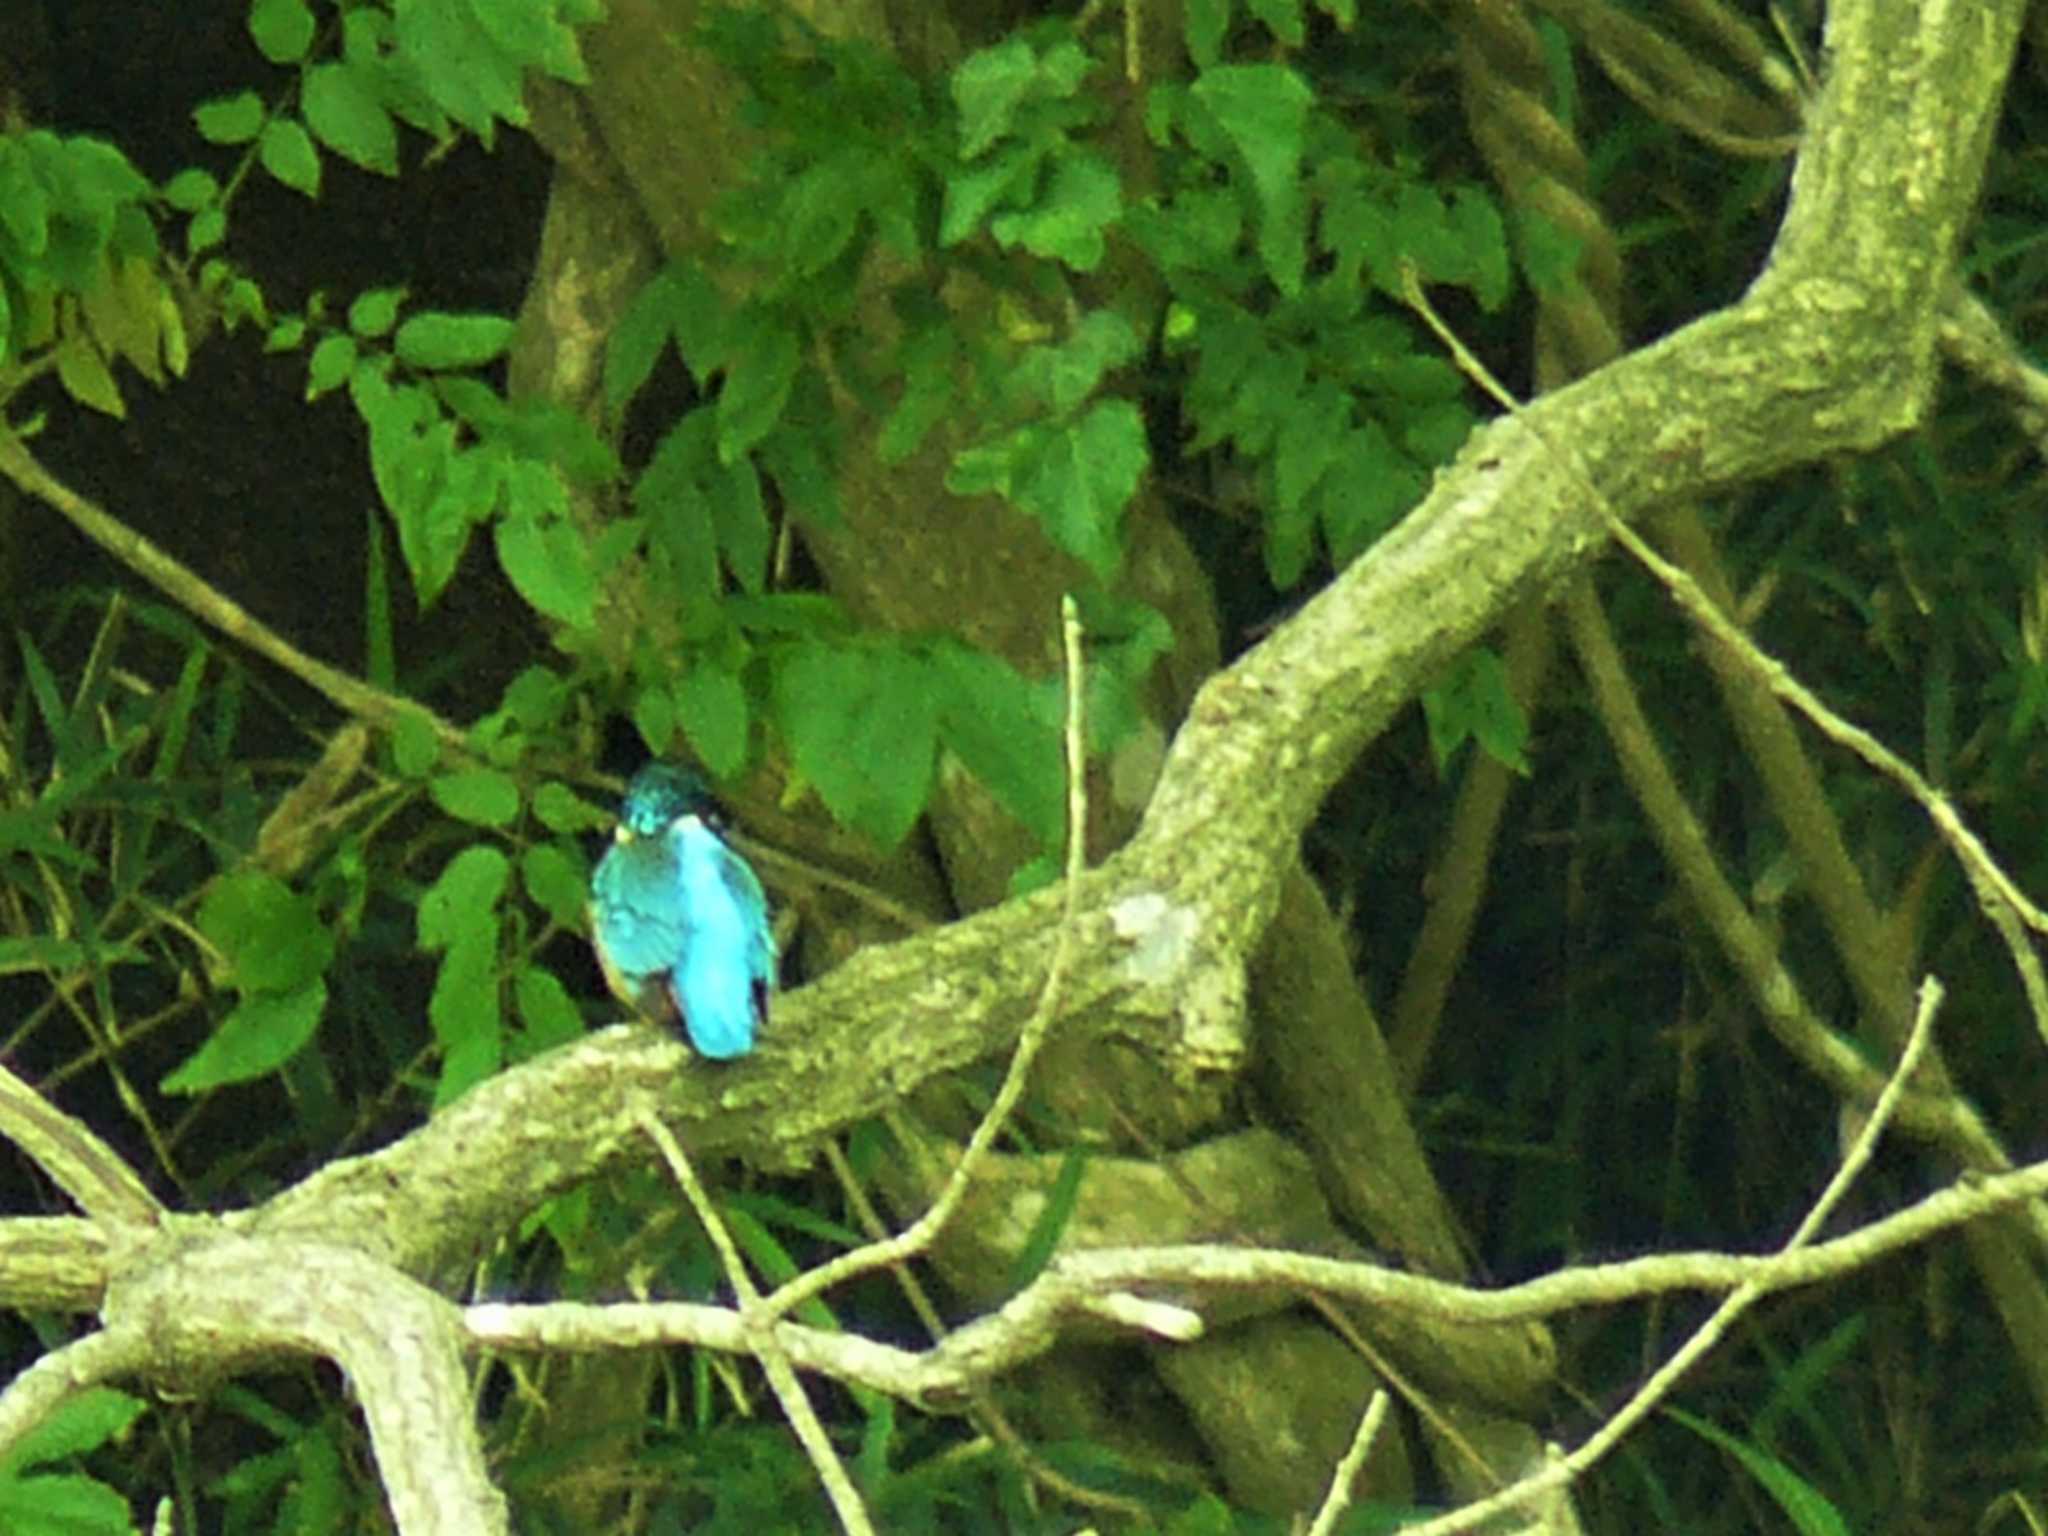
{"points": [[660, 793]]}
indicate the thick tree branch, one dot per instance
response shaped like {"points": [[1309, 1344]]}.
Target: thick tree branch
{"points": [[1832, 350]]}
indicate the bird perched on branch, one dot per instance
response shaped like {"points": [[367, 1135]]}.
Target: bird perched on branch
{"points": [[678, 918]]}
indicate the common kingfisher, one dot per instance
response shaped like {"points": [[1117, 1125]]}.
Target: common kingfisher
{"points": [[678, 919]]}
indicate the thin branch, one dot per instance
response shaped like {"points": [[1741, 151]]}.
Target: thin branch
{"points": [[1000, 1430], [762, 1342], [1944, 1115], [1031, 1322], [1560, 1471], [191, 592], [2001, 901], [1975, 341], [1338, 1499], [918, 1236]]}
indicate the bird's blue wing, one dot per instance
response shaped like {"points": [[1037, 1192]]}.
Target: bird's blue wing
{"points": [[639, 917]]}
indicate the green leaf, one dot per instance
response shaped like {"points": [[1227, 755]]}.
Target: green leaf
{"points": [[415, 748], [757, 385], [208, 228], [862, 725], [561, 809], [1476, 222], [530, 34], [930, 390], [1369, 485], [76, 1426], [460, 69], [1282, 18], [37, 831], [654, 716], [282, 29], [483, 797], [551, 436], [288, 154], [634, 345], [230, 119], [1206, 22], [24, 200], [91, 182], [344, 107], [1809, 1510], [271, 937], [63, 1505], [763, 1248], [464, 1011], [987, 88], [801, 615], [87, 378], [1311, 436], [1063, 67], [712, 708], [1125, 639], [1549, 252], [549, 565], [673, 494], [188, 191], [1263, 110], [1083, 199], [333, 360], [545, 1008], [476, 403], [800, 460], [1053, 1219], [263, 1032], [373, 313], [1082, 478], [412, 453], [465, 895], [741, 519], [1435, 432], [822, 210], [1061, 377], [703, 323], [443, 491], [434, 340], [971, 194], [1474, 701], [557, 882], [988, 718]]}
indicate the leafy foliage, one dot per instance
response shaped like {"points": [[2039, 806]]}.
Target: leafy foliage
{"points": [[1064, 321]]}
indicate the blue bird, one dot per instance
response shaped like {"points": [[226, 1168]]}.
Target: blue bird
{"points": [[678, 919]]}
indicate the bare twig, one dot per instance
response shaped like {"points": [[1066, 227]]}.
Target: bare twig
{"points": [[1338, 1499], [918, 1236], [1000, 1431], [762, 1342], [1560, 1471], [185, 587], [1030, 1322], [2002, 901]]}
